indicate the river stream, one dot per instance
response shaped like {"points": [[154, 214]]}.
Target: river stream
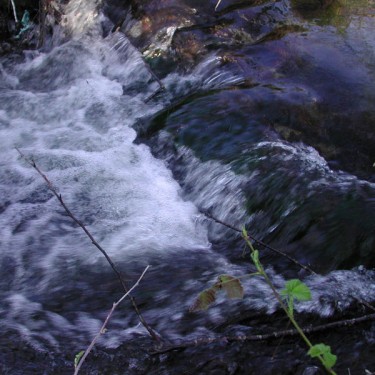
{"points": [[269, 133]]}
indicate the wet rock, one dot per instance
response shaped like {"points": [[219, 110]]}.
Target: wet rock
{"points": [[313, 370], [5, 48], [180, 33], [153, 29], [4, 27], [308, 5]]}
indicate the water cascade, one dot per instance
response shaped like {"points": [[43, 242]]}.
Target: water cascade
{"points": [[241, 132]]}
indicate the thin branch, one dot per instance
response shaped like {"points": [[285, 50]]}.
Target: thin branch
{"points": [[14, 11], [102, 329], [364, 303], [267, 336], [161, 87], [154, 94], [32, 163], [42, 22], [306, 268]]}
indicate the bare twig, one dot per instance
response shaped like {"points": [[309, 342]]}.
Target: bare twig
{"points": [[267, 336], [364, 303], [102, 329], [306, 268], [42, 22], [32, 163], [157, 79], [154, 94], [14, 11]]}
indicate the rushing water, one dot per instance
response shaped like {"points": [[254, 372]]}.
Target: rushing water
{"points": [[74, 111]]}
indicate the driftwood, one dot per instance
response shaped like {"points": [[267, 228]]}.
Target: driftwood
{"points": [[32, 163]]}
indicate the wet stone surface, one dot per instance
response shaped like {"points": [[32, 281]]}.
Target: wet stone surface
{"points": [[316, 88]]}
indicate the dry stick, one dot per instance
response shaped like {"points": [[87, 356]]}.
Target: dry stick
{"points": [[260, 243], [154, 94], [42, 22], [267, 336], [31, 162], [14, 11], [364, 303], [157, 79], [102, 329]]}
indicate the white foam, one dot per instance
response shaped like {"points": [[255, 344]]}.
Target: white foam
{"points": [[215, 189], [79, 132]]}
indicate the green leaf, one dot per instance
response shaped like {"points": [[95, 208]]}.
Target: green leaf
{"points": [[205, 299], [296, 289], [324, 351], [78, 357], [329, 359], [231, 285]]}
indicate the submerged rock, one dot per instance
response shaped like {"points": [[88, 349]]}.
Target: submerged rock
{"points": [[315, 95]]}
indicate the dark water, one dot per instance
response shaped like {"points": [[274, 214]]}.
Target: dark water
{"points": [[271, 127]]}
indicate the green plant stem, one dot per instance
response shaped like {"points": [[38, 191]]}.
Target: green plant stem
{"points": [[282, 304]]}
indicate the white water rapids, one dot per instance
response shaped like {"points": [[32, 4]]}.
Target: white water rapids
{"points": [[66, 110]]}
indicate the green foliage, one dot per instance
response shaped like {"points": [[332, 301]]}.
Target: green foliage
{"points": [[329, 359], [229, 284], [295, 289], [78, 357]]}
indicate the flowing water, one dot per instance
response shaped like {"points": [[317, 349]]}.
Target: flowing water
{"points": [[202, 147]]}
